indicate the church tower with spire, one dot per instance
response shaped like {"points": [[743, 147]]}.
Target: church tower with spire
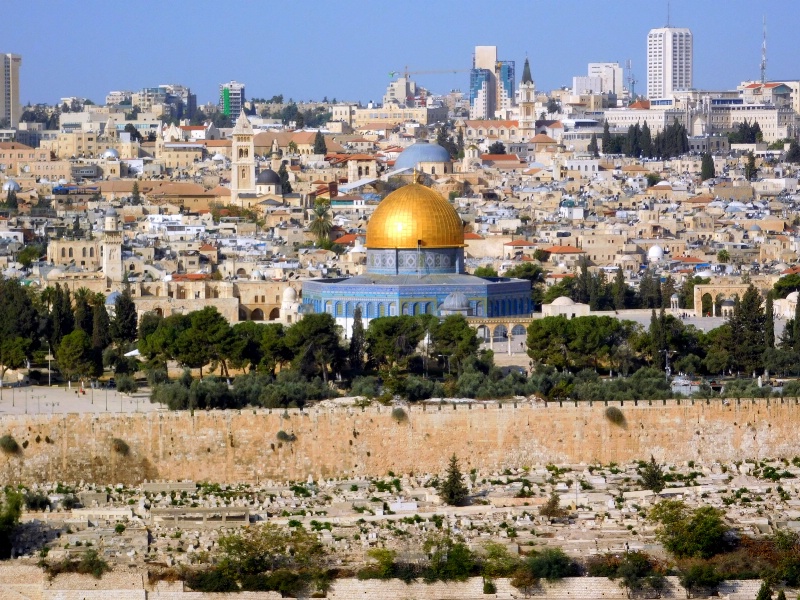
{"points": [[243, 160], [527, 103]]}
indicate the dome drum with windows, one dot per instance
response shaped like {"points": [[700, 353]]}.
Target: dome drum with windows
{"points": [[415, 265]]}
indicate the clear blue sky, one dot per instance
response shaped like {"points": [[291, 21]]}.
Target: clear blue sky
{"points": [[345, 49]]}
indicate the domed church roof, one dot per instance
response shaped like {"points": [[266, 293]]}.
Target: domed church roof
{"points": [[268, 177], [415, 215], [422, 151]]}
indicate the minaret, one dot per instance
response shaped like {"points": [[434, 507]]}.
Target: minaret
{"points": [[110, 131], [243, 160], [527, 104], [275, 155], [112, 247]]}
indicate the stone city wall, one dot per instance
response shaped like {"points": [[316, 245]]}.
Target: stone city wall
{"points": [[243, 446], [28, 582]]}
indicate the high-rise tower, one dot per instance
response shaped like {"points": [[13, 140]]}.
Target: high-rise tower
{"points": [[669, 61], [10, 108], [231, 98]]}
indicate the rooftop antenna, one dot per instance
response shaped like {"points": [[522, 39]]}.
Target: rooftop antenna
{"points": [[632, 81], [668, 11], [764, 53]]}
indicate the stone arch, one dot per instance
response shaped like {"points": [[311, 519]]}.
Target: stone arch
{"points": [[483, 333], [518, 329], [242, 313], [240, 272], [500, 332], [274, 314], [158, 311], [257, 315], [479, 309], [717, 294]]}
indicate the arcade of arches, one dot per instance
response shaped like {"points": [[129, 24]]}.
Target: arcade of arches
{"points": [[712, 300]]}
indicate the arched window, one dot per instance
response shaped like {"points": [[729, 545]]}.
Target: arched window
{"points": [[83, 252], [91, 252], [63, 252], [70, 252]]}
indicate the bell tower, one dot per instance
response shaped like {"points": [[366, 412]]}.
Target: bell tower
{"points": [[243, 160], [527, 104]]}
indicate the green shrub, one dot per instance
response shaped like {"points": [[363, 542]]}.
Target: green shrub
{"points": [[285, 437], [120, 447], [126, 384], [157, 376], [416, 388], [367, 386], [36, 501], [489, 587], [211, 580], [615, 415], [9, 445], [399, 415], [91, 563], [120, 528]]}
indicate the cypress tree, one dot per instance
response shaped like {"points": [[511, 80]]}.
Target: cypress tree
{"points": [[593, 146], [452, 490], [606, 138], [319, 144], [769, 324], [796, 328], [707, 167], [618, 290], [124, 325], [357, 342]]}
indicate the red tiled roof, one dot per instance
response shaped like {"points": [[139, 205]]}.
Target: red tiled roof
{"points": [[473, 236], [348, 239], [519, 243], [563, 250]]}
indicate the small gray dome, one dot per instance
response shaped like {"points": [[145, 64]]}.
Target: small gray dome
{"points": [[11, 186], [456, 301], [111, 211], [112, 298], [268, 177], [110, 153], [422, 151]]}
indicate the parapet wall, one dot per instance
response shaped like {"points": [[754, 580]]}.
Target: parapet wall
{"points": [[243, 446], [17, 581]]}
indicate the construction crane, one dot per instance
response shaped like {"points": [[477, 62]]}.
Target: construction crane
{"points": [[405, 72]]}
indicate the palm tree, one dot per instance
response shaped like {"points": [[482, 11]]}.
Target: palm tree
{"points": [[321, 224]]}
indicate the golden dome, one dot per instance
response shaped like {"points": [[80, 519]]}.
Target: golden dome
{"points": [[415, 212]]}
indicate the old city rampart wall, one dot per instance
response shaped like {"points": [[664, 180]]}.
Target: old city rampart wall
{"points": [[243, 446]]}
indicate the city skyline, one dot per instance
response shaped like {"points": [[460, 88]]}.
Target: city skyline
{"points": [[348, 52]]}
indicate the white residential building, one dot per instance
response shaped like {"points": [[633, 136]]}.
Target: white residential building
{"points": [[669, 61]]}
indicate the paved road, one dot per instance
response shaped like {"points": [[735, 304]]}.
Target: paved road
{"points": [[60, 400]]}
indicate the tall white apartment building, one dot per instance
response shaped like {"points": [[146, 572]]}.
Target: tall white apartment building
{"points": [[611, 76], [669, 61], [10, 108]]}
